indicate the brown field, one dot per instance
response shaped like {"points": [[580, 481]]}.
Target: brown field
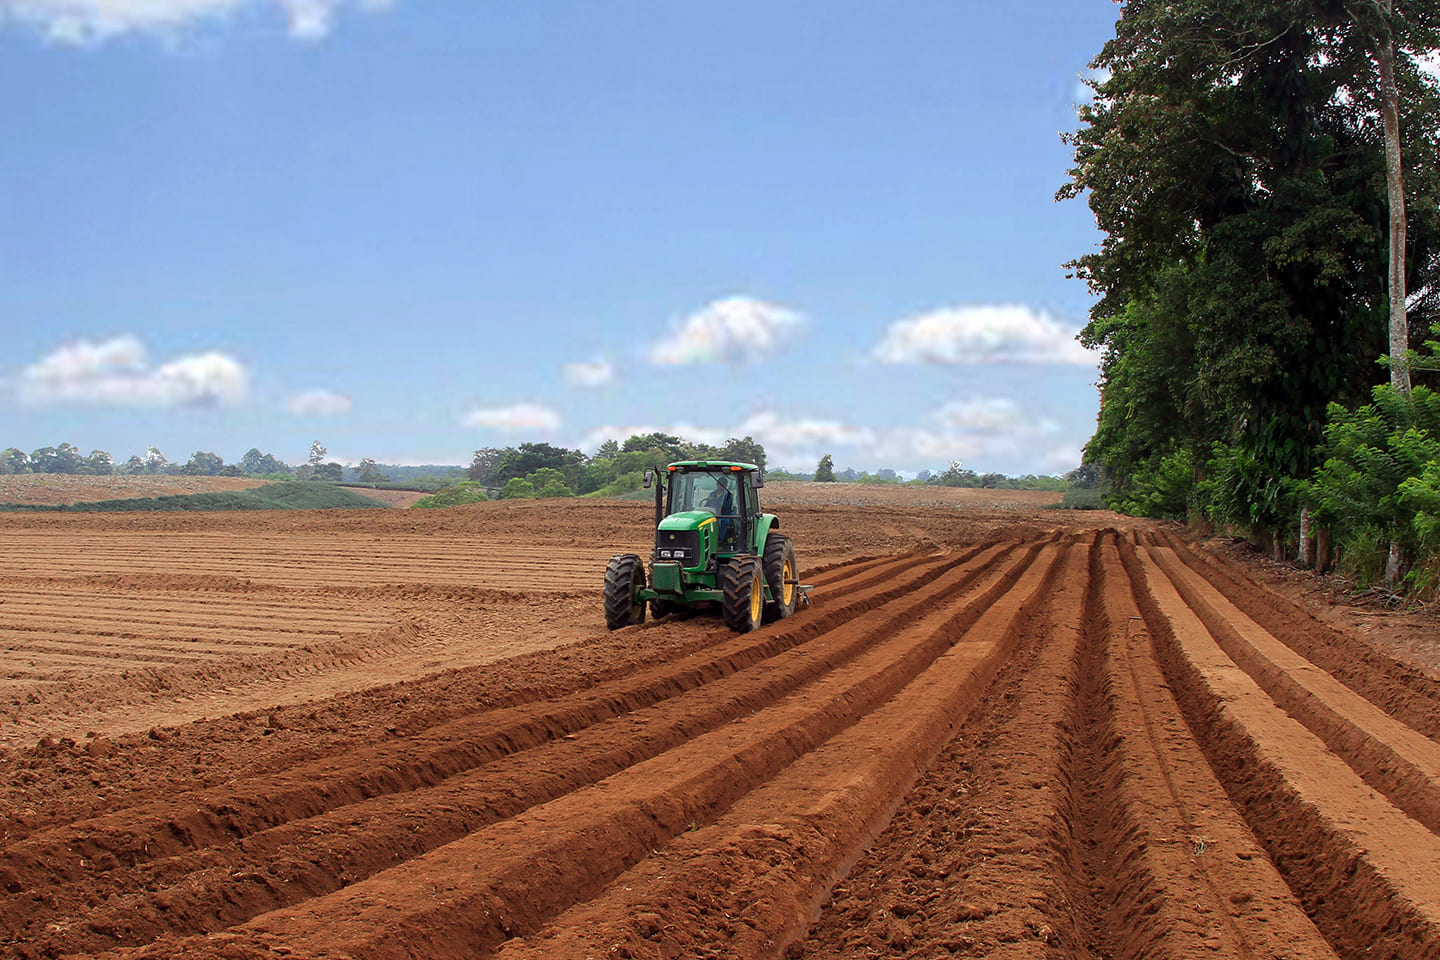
{"points": [[998, 731]]}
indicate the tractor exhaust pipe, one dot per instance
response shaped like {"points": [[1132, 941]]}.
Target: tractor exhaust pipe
{"points": [[655, 474]]}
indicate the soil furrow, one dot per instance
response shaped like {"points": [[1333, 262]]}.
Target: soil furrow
{"points": [[1170, 865], [750, 883], [509, 877], [1398, 688], [1396, 760], [378, 833], [128, 837], [1366, 873]]}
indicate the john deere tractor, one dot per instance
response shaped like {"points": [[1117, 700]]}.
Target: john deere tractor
{"points": [[712, 546]]}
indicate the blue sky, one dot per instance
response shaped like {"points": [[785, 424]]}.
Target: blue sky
{"points": [[410, 229]]}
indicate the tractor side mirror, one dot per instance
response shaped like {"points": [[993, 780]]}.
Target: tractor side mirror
{"points": [[649, 476], [757, 480]]}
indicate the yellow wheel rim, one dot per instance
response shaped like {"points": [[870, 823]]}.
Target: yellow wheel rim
{"points": [[787, 589], [757, 596]]}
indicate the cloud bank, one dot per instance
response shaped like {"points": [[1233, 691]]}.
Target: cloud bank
{"points": [[982, 333], [973, 429], [89, 22], [733, 330], [117, 372]]}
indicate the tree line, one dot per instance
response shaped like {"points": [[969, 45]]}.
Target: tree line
{"points": [[1236, 158], [68, 459], [543, 470]]}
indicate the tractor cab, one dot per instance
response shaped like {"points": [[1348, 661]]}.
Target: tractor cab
{"points": [[712, 546], [727, 491]]}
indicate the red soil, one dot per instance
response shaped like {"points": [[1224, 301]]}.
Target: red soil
{"points": [[996, 732]]}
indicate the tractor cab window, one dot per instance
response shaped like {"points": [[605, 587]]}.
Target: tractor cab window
{"points": [[719, 493]]}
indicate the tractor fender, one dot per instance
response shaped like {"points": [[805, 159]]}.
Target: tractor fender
{"points": [[767, 522]]}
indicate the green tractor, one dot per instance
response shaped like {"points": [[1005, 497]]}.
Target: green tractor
{"points": [[712, 546]]}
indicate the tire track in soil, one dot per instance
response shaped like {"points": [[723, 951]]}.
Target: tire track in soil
{"points": [[214, 886]]}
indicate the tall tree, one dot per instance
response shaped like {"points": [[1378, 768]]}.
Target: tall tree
{"points": [[1232, 158]]}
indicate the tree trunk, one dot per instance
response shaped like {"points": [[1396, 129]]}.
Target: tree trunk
{"points": [[1307, 543], [1395, 190], [1323, 559], [1393, 563]]}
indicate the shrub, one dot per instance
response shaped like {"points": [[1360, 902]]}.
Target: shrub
{"points": [[466, 491]]}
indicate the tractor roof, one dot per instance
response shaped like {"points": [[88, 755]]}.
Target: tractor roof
{"points": [[710, 466]]}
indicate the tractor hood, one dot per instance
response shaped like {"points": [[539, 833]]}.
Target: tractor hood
{"points": [[687, 520]]}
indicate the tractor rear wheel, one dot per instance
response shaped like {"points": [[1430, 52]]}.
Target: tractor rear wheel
{"points": [[781, 575], [624, 578], [743, 584]]}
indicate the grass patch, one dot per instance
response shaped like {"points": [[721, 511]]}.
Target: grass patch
{"points": [[272, 496], [1077, 498]]}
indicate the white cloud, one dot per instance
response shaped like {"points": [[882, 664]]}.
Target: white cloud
{"points": [[88, 22], [770, 429], [978, 430], [117, 372], [982, 333], [982, 414], [733, 330], [514, 418], [318, 403], [597, 373], [1064, 459]]}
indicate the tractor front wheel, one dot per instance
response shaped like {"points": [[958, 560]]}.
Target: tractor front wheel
{"points": [[781, 575], [743, 584], [624, 578]]}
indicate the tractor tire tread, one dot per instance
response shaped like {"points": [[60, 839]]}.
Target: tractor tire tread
{"points": [[737, 581], [621, 575]]}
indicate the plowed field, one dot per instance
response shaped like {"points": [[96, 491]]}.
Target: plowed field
{"points": [[996, 732]]}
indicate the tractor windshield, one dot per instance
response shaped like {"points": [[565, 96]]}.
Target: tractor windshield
{"points": [[717, 492]]}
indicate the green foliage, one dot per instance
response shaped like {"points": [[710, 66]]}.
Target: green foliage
{"points": [[517, 488], [14, 461], [1242, 491], [1233, 161], [255, 462], [1081, 498], [1164, 489], [825, 470], [272, 496], [369, 472], [61, 459], [1380, 467], [466, 491], [203, 464]]}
